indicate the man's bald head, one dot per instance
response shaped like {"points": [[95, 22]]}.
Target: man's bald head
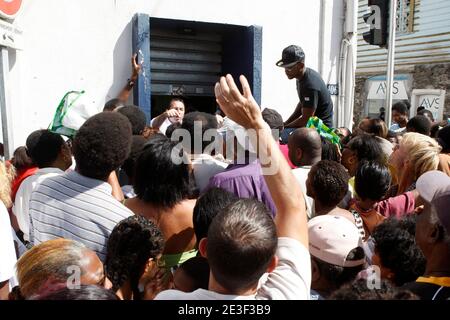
{"points": [[305, 147]]}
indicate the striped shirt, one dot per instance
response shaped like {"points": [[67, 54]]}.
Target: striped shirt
{"points": [[75, 207]]}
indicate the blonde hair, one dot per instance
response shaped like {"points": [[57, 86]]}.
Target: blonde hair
{"points": [[423, 152], [6, 176], [49, 262]]}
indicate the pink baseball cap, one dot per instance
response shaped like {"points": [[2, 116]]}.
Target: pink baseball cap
{"points": [[434, 188], [332, 238]]}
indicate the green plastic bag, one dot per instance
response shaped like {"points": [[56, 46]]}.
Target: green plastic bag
{"points": [[323, 130], [70, 114]]}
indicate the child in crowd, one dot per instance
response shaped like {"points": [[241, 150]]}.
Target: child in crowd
{"points": [[396, 253], [372, 181]]}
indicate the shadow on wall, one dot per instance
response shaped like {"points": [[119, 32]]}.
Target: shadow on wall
{"points": [[121, 63], [12, 57]]}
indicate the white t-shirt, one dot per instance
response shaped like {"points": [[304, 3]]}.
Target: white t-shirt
{"points": [[291, 279], [301, 174], [21, 205], [7, 251], [204, 167]]}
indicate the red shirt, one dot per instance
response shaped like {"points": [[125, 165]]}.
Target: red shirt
{"points": [[398, 206], [285, 151], [21, 175]]}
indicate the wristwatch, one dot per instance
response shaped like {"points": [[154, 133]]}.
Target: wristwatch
{"points": [[131, 83]]}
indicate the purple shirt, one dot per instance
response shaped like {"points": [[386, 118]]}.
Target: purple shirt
{"points": [[245, 181]]}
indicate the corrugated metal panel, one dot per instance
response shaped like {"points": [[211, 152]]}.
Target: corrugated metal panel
{"points": [[428, 43], [191, 63]]}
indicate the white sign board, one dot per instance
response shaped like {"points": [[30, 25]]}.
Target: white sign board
{"points": [[377, 90], [10, 36], [430, 99]]}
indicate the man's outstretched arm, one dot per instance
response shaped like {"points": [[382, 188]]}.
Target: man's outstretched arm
{"points": [[159, 120], [302, 120], [308, 109], [291, 218], [295, 115], [136, 68]]}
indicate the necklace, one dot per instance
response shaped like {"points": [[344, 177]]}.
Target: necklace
{"points": [[361, 209]]}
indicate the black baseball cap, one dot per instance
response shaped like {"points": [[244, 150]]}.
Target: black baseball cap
{"points": [[273, 118], [290, 56]]}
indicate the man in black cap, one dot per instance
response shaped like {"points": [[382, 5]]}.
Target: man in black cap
{"points": [[315, 100]]}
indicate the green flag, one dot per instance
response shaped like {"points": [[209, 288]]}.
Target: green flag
{"points": [[323, 130], [70, 114]]}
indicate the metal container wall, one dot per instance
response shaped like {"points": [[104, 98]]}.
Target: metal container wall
{"points": [[428, 43]]}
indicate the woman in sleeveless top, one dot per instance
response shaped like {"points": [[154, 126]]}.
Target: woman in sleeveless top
{"points": [[165, 192]]}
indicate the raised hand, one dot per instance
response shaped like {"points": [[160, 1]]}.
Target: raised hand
{"points": [[241, 108], [286, 193], [171, 113], [136, 67], [154, 280]]}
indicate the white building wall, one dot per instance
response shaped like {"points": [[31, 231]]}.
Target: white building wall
{"points": [[86, 44], [333, 18]]}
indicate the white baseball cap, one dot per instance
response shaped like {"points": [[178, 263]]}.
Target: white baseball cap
{"points": [[332, 238], [434, 188]]}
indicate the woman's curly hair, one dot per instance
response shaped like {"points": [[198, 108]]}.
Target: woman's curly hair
{"points": [[102, 144], [359, 290], [396, 246], [329, 180], [131, 244]]}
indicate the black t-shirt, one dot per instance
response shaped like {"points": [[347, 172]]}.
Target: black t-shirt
{"points": [[313, 93], [428, 291]]}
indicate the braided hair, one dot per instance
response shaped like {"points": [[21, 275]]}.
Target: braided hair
{"points": [[131, 244]]}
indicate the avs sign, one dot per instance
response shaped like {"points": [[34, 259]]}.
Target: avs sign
{"points": [[429, 102], [9, 8], [10, 36], [377, 90], [430, 99]]}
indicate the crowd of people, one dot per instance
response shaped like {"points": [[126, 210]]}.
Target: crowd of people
{"points": [[126, 211]]}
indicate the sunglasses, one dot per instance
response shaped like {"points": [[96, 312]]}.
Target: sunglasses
{"points": [[291, 68]]}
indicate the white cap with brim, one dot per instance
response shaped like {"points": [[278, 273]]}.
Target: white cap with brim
{"points": [[434, 188], [332, 238]]}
